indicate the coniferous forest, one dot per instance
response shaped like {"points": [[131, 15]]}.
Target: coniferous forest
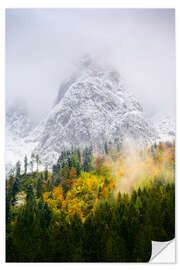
{"points": [[91, 208]]}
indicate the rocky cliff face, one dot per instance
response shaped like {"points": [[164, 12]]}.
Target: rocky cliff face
{"points": [[18, 122], [93, 106], [18, 126], [165, 126]]}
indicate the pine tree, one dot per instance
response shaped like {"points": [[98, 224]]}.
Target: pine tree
{"points": [[32, 161], [29, 195], [46, 173], [8, 199], [87, 155], [25, 164], [18, 169], [79, 155], [38, 161], [78, 168], [15, 190], [39, 187]]}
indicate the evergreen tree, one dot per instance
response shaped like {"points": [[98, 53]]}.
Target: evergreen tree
{"points": [[29, 196], [15, 190], [39, 187], [79, 155], [38, 161], [25, 164], [18, 169], [87, 156], [49, 185], [78, 168], [46, 173], [8, 199], [32, 162]]}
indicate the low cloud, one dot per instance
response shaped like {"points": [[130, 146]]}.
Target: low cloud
{"points": [[43, 45]]}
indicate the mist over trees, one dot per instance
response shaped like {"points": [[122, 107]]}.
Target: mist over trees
{"points": [[80, 211]]}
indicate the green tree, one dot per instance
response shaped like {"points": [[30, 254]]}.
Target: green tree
{"points": [[32, 162], [87, 156], [38, 161], [46, 173], [25, 164], [18, 169], [15, 190], [39, 187], [29, 195]]}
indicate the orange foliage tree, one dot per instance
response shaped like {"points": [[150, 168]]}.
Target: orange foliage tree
{"points": [[72, 174]]}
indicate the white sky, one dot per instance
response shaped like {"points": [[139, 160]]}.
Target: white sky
{"points": [[42, 46]]}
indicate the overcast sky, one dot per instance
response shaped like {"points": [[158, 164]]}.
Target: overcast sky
{"points": [[42, 46]]}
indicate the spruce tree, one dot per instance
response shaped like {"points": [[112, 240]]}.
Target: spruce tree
{"points": [[18, 169], [39, 188], [38, 161], [25, 164]]}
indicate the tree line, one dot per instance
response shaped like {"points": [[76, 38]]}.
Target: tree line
{"points": [[70, 214]]}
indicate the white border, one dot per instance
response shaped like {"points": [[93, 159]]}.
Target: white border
{"points": [[74, 4]]}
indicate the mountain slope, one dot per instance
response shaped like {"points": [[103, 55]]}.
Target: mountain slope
{"points": [[18, 127], [93, 107], [165, 126], [18, 122]]}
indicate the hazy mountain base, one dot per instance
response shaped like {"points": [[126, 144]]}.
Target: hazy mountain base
{"points": [[92, 209]]}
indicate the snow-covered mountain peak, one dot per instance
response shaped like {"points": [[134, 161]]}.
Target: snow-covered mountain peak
{"points": [[90, 76], [93, 106]]}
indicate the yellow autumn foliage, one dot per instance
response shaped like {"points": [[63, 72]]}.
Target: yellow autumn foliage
{"points": [[125, 173]]}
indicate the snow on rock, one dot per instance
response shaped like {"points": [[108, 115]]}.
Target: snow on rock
{"points": [[165, 125], [93, 105], [18, 122], [18, 126]]}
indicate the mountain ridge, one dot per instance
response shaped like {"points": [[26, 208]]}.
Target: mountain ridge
{"points": [[93, 106]]}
